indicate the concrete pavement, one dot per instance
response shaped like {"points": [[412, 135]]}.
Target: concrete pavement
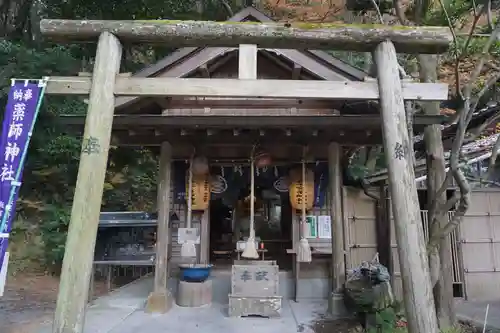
{"points": [[122, 311], [474, 311]]}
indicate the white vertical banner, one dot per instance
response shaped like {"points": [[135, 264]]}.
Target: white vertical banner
{"points": [[3, 273], [324, 226]]}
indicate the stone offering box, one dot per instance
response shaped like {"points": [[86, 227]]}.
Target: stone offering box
{"points": [[255, 289]]}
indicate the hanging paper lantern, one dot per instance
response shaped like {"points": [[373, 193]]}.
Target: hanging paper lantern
{"points": [[262, 159], [200, 165], [299, 192], [200, 193]]}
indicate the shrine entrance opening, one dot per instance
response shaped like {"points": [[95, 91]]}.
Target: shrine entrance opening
{"points": [[230, 215]]}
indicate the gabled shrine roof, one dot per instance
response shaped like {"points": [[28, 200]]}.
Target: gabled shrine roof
{"points": [[186, 61]]}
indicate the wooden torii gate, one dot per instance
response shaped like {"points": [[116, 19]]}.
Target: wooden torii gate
{"points": [[105, 84]]}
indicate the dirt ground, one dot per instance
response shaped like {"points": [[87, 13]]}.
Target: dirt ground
{"points": [[29, 301]]}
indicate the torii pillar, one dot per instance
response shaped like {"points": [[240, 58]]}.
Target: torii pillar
{"points": [[417, 289]]}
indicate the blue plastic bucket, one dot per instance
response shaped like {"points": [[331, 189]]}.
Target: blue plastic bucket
{"points": [[195, 272]]}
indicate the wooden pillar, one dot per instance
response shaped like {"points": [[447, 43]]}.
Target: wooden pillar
{"points": [[205, 237], [160, 300], [383, 229], [80, 245], [418, 300], [336, 304]]}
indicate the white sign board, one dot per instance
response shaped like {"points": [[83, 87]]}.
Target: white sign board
{"points": [[311, 229], [241, 245], [324, 226], [3, 273], [188, 234]]}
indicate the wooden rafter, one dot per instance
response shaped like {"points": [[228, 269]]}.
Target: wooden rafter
{"points": [[363, 38], [152, 87], [234, 153], [234, 138]]}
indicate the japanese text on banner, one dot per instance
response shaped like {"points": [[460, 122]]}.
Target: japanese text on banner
{"points": [[17, 123]]}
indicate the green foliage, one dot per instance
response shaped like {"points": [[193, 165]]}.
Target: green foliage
{"points": [[131, 180], [457, 13], [53, 230], [455, 10], [357, 169], [52, 163], [24, 62], [356, 59], [385, 321], [121, 10]]}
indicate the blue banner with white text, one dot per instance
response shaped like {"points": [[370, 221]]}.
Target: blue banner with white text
{"points": [[19, 116]]}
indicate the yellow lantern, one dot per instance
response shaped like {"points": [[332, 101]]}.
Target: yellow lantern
{"points": [[200, 192], [300, 191]]}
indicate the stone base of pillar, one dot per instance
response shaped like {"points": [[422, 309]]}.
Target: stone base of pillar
{"points": [[194, 294], [336, 305], [159, 302]]}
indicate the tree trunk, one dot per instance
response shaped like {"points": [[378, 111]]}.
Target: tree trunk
{"points": [[440, 259]]}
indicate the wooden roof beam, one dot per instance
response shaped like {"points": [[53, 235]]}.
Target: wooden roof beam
{"points": [[239, 153], [258, 122], [248, 88], [362, 38], [194, 103]]}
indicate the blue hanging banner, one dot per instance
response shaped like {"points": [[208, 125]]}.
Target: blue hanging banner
{"points": [[227, 183], [20, 115], [320, 183], [179, 181]]}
